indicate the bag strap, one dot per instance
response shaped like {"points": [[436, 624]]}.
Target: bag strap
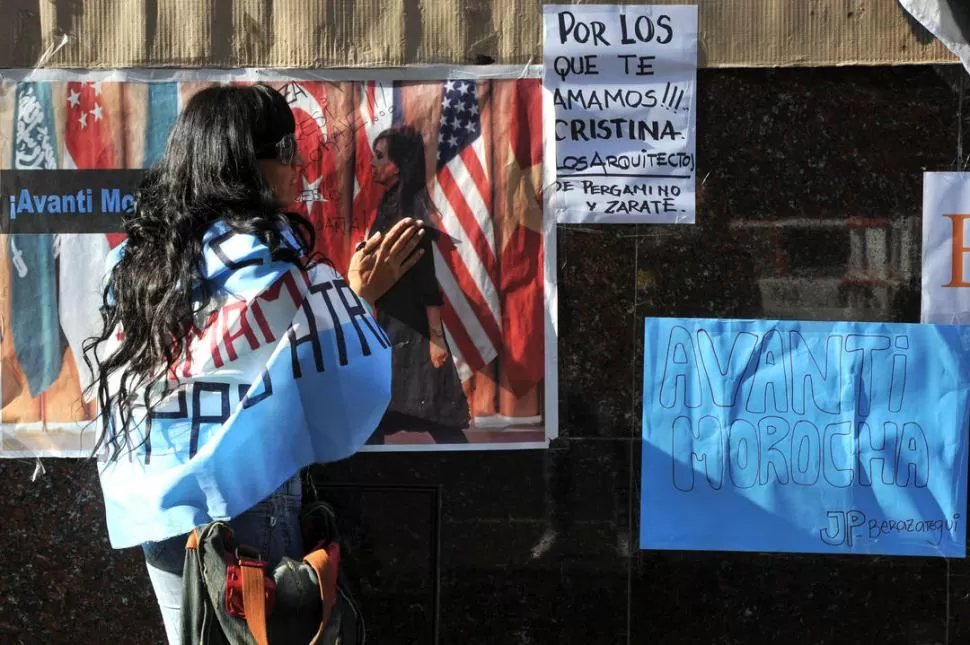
{"points": [[324, 563], [254, 601]]}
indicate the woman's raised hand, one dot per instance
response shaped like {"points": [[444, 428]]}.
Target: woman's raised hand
{"points": [[381, 261]]}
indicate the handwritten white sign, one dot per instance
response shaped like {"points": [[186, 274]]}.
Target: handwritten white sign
{"points": [[622, 81]]}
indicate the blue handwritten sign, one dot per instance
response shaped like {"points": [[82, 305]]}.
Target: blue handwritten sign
{"points": [[841, 437]]}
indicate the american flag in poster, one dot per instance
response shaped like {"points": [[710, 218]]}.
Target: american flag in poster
{"points": [[483, 142], [465, 259]]}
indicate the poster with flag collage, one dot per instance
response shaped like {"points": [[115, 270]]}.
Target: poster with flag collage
{"points": [[493, 257]]}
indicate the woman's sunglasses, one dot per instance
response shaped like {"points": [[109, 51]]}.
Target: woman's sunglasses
{"points": [[284, 150]]}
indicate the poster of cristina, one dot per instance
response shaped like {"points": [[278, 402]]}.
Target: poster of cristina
{"points": [[472, 330]]}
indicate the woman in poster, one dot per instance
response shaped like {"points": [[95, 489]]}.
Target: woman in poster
{"points": [[426, 392]]}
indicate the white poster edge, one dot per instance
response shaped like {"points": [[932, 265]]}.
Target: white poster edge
{"points": [[422, 74], [925, 224]]}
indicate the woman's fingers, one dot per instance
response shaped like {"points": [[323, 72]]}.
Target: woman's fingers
{"points": [[399, 233], [405, 245], [372, 243], [366, 261]]}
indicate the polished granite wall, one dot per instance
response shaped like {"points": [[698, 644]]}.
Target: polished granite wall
{"points": [[809, 207]]}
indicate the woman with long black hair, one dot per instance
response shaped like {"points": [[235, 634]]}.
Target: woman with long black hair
{"points": [[426, 391], [230, 357]]}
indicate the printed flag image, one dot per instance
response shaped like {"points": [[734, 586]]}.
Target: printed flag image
{"points": [[473, 148]]}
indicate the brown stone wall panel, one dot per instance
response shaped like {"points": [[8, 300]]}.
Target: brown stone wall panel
{"points": [[183, 33], [435, 32], [99, 30], [369, 33]]}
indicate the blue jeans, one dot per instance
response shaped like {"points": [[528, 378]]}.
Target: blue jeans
{"points": [[272, 527]]}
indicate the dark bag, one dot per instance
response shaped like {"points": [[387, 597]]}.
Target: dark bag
{"points": [[230, 598]]}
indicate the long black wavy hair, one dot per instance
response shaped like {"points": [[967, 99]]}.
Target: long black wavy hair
{"points": [[405, 147], [209, 171]]}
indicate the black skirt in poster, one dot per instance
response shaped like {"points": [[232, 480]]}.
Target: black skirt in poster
{"points": [[423, 398]]}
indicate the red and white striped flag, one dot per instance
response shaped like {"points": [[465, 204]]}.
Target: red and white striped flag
{"points": [[465, 257]]}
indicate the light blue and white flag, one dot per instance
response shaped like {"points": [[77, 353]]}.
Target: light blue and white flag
{"points": [[37, 337], [286, 368]]}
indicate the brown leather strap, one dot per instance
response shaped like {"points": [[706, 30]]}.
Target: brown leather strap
{"points": [[319, 560], [254, 602]]}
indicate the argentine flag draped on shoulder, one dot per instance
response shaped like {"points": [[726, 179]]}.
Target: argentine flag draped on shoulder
{"points": [[284, 369]]}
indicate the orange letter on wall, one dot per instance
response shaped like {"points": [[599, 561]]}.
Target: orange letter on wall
{"points": [[959, 249]]}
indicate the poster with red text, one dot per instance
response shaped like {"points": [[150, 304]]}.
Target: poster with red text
{"points": [[946, 248]]}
